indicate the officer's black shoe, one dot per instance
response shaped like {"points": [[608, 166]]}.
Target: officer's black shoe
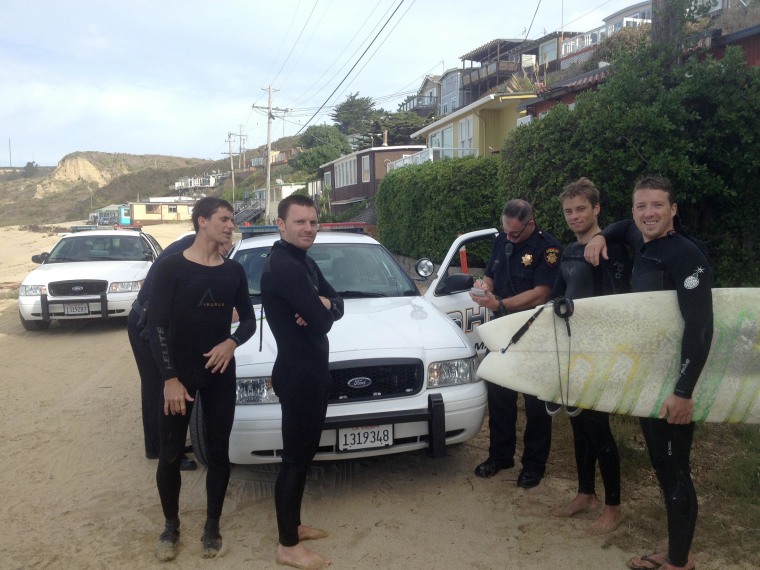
{"points": [[552, 409], [187, 464], [491, 467], [529, 479]]}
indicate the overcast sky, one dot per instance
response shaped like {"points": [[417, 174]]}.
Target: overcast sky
{"points": [[174, 77]]}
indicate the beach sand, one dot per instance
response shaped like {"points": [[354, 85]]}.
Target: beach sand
{"points": [[79, 493]]}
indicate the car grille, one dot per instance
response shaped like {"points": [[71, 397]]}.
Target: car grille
{"points": [[374, 380], [77, 288]]}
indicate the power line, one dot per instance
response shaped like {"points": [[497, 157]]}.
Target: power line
{"points": [[352, 68]]}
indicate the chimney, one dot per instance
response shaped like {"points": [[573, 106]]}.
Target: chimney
{"points": [[385, 137]]}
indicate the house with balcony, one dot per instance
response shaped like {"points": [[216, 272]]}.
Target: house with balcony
{"points": [[425, 103], [453, 95], [477, 129], [354, 178]]}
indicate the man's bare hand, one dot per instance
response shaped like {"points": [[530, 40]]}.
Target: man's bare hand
{"points": [[677, 410], [488, 301], [175, 396], [220, 356], [596, 250]]}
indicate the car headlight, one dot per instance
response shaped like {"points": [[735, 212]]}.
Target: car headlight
{"points": [[125, 287], [32, 290], [255, 391], [452, 372]]}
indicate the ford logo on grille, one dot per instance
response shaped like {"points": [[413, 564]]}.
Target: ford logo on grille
{"points": [[77, 288], [360, 382]]}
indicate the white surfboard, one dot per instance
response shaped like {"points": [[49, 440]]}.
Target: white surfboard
{"points": [[624, 353]]}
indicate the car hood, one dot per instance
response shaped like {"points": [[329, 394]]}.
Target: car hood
{"points": [[112, 271], [396, 324]]}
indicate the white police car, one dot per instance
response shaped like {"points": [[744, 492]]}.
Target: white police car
{"points": [[87, 275], [403, 372]]}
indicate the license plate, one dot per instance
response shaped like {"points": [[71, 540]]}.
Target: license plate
{"points": [[365, 437], [76, 309]]}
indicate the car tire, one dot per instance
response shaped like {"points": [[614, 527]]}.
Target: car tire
{"points": [[33, 325], [198, 432]]}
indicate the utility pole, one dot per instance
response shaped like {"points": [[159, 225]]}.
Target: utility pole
{"points": [[241, 147], [232, 168], [270, 119]]}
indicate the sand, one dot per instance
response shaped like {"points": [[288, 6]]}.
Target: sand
{"points": [[77, 491]]}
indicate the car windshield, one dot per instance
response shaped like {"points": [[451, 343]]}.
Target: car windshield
{"points": [[354, 270], [97, 248]]}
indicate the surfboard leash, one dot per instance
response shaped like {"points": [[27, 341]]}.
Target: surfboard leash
{"points": [[564, 308], [523, 329]]}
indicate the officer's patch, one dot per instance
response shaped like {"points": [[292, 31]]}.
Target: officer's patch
{"points": [[527, 260], [551, 255]]}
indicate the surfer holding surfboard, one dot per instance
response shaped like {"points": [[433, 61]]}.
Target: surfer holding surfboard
{"points": [[519, 275], [668, 260], [578, 279]]}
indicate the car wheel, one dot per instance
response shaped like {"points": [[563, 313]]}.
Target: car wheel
{"points": [[33, 325], [198, 432]]}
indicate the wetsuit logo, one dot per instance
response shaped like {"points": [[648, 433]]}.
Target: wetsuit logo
{"points": [[692, 281], [208, 300]]}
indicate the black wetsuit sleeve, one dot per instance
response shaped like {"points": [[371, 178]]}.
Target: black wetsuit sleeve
{"points": [[326, 290], [624, 231], [694, 294], [247, 327], [560, 285], [293, 285], [160, 300]]}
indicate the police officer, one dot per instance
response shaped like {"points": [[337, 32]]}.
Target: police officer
{"points": [[519, 276]]}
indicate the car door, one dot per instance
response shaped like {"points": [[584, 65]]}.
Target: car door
{"points": [[449, 291]]}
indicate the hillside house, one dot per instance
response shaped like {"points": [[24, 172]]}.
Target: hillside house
{"points": [[355, 177]]}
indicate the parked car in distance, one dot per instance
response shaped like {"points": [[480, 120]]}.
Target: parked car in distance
{"points": [[87, 275], [403, 374]]}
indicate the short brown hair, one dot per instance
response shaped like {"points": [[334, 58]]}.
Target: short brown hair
{"points": [[207, 207], [582, 187], [656, 183], [297, 199]]}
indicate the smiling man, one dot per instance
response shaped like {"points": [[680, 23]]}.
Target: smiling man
{"points": [[301, 307], [666, 259]]}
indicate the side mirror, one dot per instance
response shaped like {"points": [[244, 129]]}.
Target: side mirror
{"points": [[41, 258], [455, 283], [424, 267], [148, 255]]}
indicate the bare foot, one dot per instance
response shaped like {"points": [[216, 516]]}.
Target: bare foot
{"points": [[608, 521], [299, 556], [580, 504], [310, 533]]}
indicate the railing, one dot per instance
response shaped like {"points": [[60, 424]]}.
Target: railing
{"points": [[419, 101], [432, 154]]}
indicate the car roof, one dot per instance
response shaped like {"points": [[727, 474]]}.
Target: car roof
{"points": [[103, 233], [322, 237]]}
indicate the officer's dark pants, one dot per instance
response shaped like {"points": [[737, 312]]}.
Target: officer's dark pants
{"points": [[669, 448], [502, 422], [151, 385]]}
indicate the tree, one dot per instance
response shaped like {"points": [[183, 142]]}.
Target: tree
{"points": [[400, 126], [354, 115], [30, 169], [321, 144]]}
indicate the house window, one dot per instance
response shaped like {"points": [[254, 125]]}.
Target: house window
{"points": [[465, 137], [328, 179], [152, 208], [172, 209], [365, 168]]}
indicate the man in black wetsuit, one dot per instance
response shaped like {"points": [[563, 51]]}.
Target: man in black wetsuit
{"points": [[591, 429], [190, 310], [666, 259], [300, 307], [519, 276]]}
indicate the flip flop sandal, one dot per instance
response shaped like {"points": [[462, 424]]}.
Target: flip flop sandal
{"points": [[646, 558]]}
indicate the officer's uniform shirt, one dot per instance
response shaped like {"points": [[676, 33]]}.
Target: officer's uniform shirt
{"points": [[519, 267]]}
